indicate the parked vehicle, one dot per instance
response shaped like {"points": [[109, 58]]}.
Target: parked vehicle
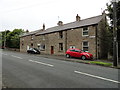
{"points": [[33, 51], [78, 53]]}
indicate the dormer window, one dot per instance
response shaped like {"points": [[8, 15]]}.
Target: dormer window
{"points": [[85, 31]]}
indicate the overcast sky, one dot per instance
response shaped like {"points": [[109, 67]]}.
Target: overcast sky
{"points": [[31, 14]]}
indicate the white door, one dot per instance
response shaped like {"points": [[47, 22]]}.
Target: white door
{"points": [[28, 47]]}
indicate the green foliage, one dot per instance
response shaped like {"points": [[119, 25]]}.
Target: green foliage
{"points": [[110, 15], [12, 38], [3, 37], [0, 39]]}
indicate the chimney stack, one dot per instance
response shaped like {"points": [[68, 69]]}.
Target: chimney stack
{"points": [[43, 26], [78, 18], [27, 31], [60, 23]]}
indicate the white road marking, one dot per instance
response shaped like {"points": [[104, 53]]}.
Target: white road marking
{"points": [[97, 77], [16, 57], [4, 54], [41, 63]]}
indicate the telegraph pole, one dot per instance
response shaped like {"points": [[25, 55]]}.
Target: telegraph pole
{"points": [[5, 40], [115, 44]]}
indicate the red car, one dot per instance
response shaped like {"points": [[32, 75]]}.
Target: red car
{"points": [[78, 53]]}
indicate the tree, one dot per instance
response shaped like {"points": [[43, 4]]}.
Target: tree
{"points": [[110, 15], [3, 37], [0, 39], [13, 39]]}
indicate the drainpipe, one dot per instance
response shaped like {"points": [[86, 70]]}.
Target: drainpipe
{"points": [[65, 40], [96, 42]]}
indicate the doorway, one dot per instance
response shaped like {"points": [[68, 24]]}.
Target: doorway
{"points": [[52, 49]]}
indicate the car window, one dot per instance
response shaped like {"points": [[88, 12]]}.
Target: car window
{"points": [[30, 49], [72, 50], [77, 50], [35, 49]]}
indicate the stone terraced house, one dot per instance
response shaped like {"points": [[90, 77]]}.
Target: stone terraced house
{"points": [[84, 34]]}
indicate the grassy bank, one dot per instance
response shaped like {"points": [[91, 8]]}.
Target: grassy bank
{"points": [[97, 63]]}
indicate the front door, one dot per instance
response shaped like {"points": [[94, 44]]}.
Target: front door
{"points": [[28, 47], [52, 49]]}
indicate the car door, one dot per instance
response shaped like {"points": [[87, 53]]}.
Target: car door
{"points": [[77, 53], [72, 53]]}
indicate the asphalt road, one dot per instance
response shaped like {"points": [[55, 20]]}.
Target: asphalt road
{"points": [[20, 70]]}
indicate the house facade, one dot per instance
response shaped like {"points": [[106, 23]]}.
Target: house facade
{"points": [[84, 34]]}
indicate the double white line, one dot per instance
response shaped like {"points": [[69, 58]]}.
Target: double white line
{"points": [[41, 63]]}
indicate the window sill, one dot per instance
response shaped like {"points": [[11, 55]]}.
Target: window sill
{"points": [[42, 50], [85, 35]]}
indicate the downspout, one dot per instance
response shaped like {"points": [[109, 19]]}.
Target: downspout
{"points": [[96, 39], [65, 40]]}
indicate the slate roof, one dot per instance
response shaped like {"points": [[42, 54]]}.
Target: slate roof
{"points": [[72, 25], [31, 33], [68, 26]]}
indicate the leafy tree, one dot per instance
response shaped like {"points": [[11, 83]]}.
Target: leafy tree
{"points": [[3, 36], [110, 15], [11, 38], [0, 39]]}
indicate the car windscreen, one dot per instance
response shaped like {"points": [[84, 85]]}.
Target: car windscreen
{"points": [[77, 50], [36, 49]]}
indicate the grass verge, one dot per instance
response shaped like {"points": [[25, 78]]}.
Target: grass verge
{"points": [[101, 63], [98, 63]]}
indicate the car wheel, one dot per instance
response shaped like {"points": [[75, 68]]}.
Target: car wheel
{"points": [[67, 55], [83, 57]]}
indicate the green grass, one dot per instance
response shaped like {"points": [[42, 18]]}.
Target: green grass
{"points": [[98, 63], [101, 63]]}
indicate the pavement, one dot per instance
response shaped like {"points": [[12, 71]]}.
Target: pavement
{"points": [[63, 57]]}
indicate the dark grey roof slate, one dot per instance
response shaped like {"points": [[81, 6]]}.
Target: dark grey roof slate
{"points": [[72, 25], [85, 22], [31, 33]]}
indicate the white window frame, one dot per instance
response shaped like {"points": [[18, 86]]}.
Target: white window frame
{"points": [[85, 46], [43, 37], [61, 48], [32, 37], [41, 47], [86, 31]]}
